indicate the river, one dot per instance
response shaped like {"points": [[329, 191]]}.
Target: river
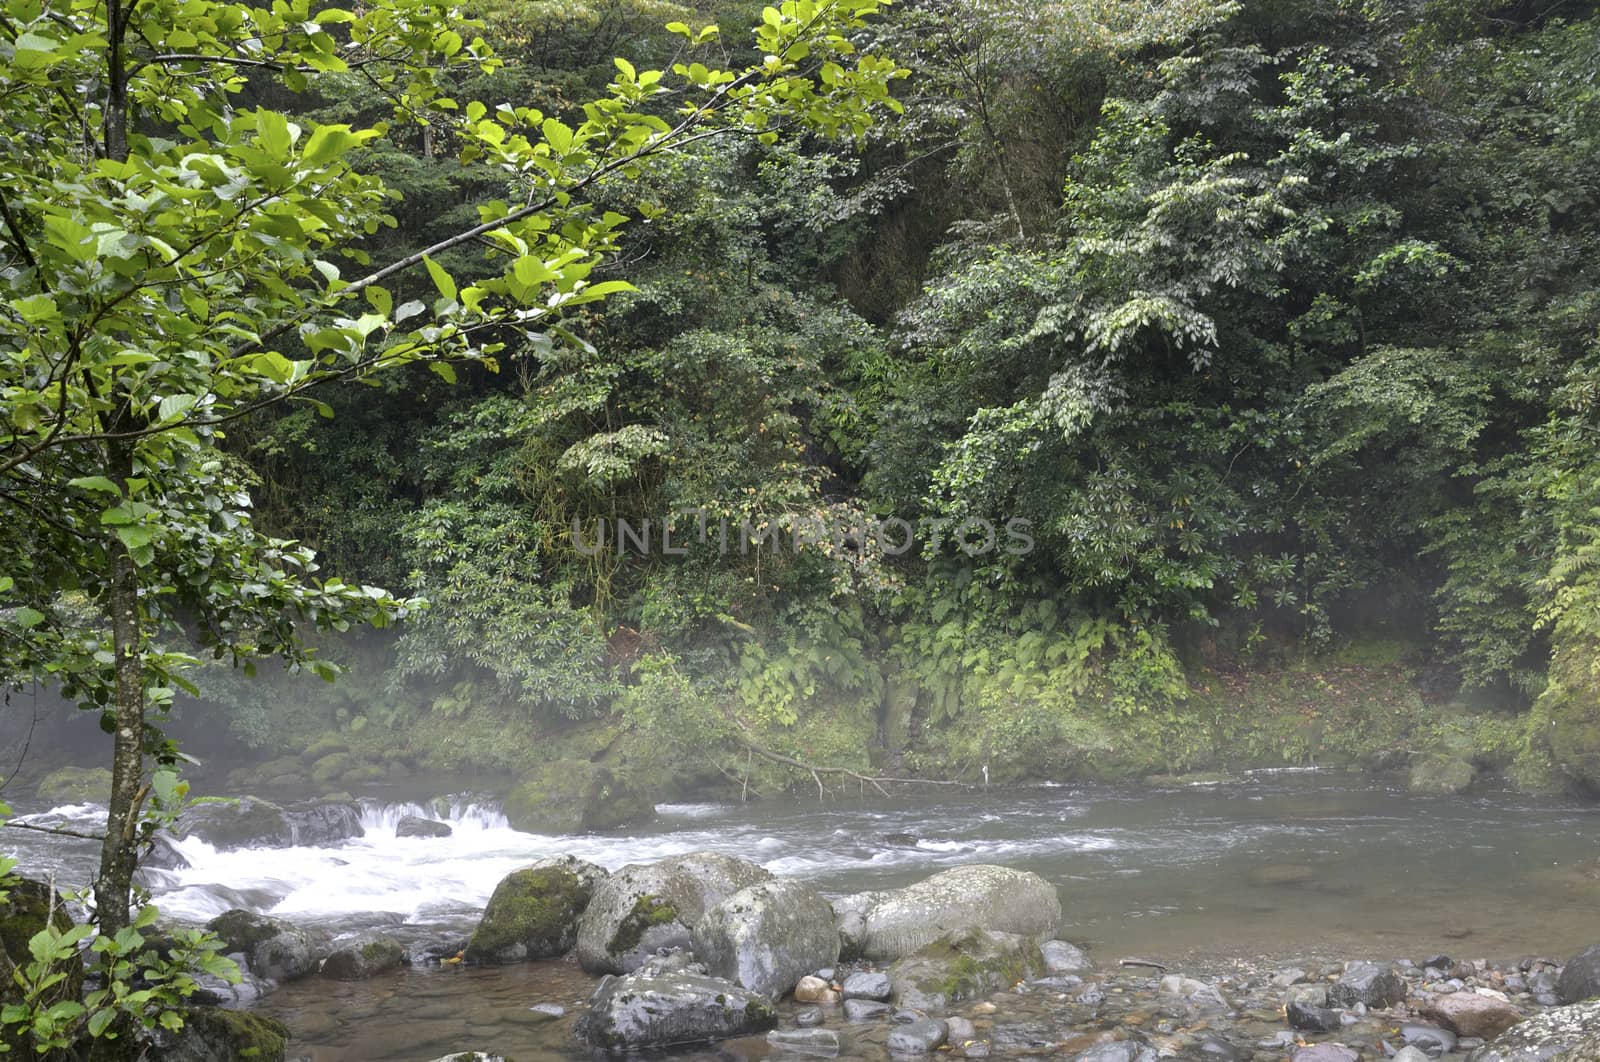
{"points": [[1291, 865]]}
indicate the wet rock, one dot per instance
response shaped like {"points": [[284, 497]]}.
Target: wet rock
{"points": [[358, 960], [977, 1049], [918, 1038], [1023, 1035], [1472, 1014], [1063, 958], [865, 1010], [472, 1056], [211, 1034], [641, 908], [1369, 984], [163, 855], [274, 950], [1580, 978], [811, 990], [1220, 1050], [1431, 1040], [964, 964], [575, 796], [884, 926], [1120, 1051], [1291, 975], [1312, 995], [1441, 775], [959, 1030], [808, 1017], [534, 912], [822, 1043], [75, 785], [213, 991], [412, 826], [1313, 1018], [765, 937], [250, 822], [550, 1011], [1327, 1053], [1193, 994], [650, 1009], [1571, 1032], [867, 984], [1409, 1054]]}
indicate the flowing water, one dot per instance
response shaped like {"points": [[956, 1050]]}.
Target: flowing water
{"points": [[1284, 864]]}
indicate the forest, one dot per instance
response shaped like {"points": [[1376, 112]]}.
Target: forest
{"points": [[629, 401]]}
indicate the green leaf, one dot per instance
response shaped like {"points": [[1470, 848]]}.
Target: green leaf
{"points": [[136, 535], [99, 483], [173, 407], [100, 1021], [328, 142], [443, 370], [558, 134], [27, 618], [36, 308], [441, 279]]}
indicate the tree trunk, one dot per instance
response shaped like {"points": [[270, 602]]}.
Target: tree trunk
{"points": [[113, 886]]}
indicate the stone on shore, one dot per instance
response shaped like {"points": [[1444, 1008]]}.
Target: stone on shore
{"points": [[1063, 958], [654, 1008], [534, 912], [964, 964], [1571, 1032], [1369, 984], [767, 936], [1580, 978], [1473, 1014], [868, 984], [272, 949], [884, 926]]}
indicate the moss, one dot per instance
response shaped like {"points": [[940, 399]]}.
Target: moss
{"points": [[647, 911], [213, 1033], [76, 785], [537, 908], [572, 796]]}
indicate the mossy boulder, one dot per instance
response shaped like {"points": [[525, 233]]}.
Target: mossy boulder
{"points": [[962, 965], [534, 911], [575, 796], [1441, 775], [642, 908], [333, 766], [768, 936], [272, 949], [884, 926], [211, 1034], [365, 957], [75, 785]]}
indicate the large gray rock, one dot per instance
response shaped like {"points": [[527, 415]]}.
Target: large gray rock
{"points": [[534, 912], [964, 964], [250, 822], [1367, 983], [1063, 958], [642, 908], [654, 1008], [365, 957], [1472, 1014], [768, 936], [884, 926], [273, 950], [1565, 1033], [1580, 978]]}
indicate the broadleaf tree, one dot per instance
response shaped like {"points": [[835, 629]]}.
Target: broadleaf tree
{"points": [[177, 254]]}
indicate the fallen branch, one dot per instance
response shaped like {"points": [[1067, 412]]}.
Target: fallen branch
{"points": [[877, 782], [60, 831], [1144, 962]]}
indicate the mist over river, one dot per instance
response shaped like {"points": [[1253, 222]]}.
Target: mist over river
{"points": [[1291, 865]]}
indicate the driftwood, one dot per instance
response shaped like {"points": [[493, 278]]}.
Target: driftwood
{"points": [[1144, 962], [816, 771]]}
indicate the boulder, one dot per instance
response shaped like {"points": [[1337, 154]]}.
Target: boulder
{"points": [[642, 908], [884, 926], [358, 960], [575, 796], [1580, 977], [963, 964], [274, 950], [1571, 1032], [868, 984], [75, 785], [412, 826], [1063, 958], [534, 912], [1367, 983], [250, 822], [653, 1008], [1441, 775], [1472, 1014], [211, 1034], [767, 936], [917, 1038]]}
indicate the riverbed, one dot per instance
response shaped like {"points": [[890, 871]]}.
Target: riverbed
{"points": [[1291, 866]]}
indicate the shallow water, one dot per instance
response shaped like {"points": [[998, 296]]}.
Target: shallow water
{"points": [[1290, 865]]}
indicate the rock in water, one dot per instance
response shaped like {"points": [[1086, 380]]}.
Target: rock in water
{"points": [[1432, 1040], [1195, 995], [961, 965], [534, 912], [1121, 1051], [918, 1038], [821, 1043], [250, 822], [358, 960], [210, 1034], [653, 1009], [1564, 1033], [1367, 983], [1580, 978], [1063, 958], [885, 926], [1313, 1019], [1327, 1053], [1471, 1014], [1441, 775], [412, 826], [575, 796], [767, 936], [868, 984], [272, 949], [472, 1056], [642, 908]]}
